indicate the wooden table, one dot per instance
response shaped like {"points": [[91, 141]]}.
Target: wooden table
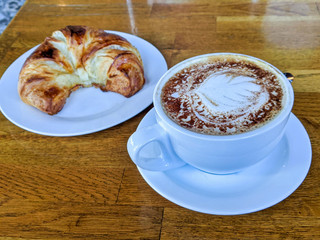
{"points": [[87, 187]]}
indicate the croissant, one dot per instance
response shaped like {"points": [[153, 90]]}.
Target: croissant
{"points": [[79, 56]]}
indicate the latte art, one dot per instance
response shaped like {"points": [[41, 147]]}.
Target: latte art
{"points": [[227, 92], [223, 97]]}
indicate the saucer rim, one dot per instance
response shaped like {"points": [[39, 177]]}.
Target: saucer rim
{"points": [[152, 178]]}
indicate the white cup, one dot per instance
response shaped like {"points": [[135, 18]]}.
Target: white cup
{"points": [[210, 153]]}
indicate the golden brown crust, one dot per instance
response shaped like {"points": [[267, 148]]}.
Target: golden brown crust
{"points": [[79, 56]]}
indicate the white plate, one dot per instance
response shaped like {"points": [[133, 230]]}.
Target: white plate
{"points": [[87, 110], [258, 187]]}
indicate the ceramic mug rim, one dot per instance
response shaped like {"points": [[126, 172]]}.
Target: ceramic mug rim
{"points": [[285, 112]]}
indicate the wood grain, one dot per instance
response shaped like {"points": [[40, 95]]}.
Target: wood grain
{"points": [[87, 187]]}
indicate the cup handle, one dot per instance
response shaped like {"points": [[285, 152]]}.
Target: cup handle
{"points": [[166, 160]]}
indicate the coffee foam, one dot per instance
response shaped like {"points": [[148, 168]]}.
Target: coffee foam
{"points": [[227, 96], [226, 92]]}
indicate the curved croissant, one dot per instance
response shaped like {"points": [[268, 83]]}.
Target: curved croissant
{"points": [[79, 56]]}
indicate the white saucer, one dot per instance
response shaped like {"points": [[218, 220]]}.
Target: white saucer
{"points": [[258, 187], [79, 115]]}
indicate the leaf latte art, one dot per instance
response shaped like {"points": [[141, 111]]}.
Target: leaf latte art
{"points": [[228, 96], [227, 93]]}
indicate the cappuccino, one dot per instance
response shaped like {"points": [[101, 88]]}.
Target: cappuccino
{"points": [[224, 95]]}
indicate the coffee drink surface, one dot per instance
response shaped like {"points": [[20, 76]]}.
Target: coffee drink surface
{"points": [[224, 95]]}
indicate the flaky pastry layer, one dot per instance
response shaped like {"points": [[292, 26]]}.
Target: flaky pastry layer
{"points": [[79, 56]]}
